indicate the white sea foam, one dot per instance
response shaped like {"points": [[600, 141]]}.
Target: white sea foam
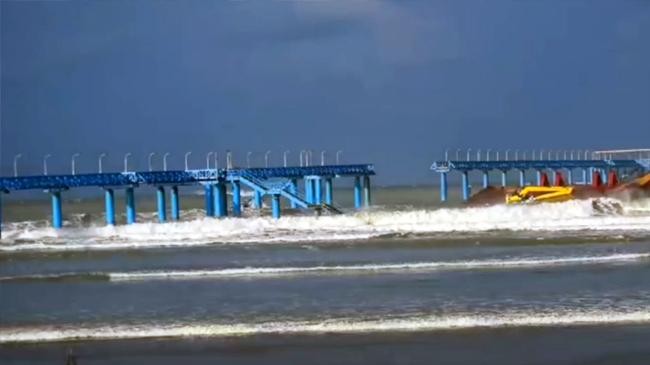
{"points": [[378, 268], [572, 216], [414, 323]]}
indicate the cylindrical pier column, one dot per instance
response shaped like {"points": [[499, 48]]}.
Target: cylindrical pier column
{"points": [[318, 191], [292, 189], [162, 204], [366, 191], [504, 178], [357, 192], [130, 205], [221, 200], [443, 187], [109, 202], [569, 176], [57, 212], [486, 179], [539, 177], [236, 199], [309, 191], [604, 174], [328, 191], [176, 207], [0, 213], [584, 176], [275, 205], [465, 186], [522, 178], [257, 199], [209, 199]]}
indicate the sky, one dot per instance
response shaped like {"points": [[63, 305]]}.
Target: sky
{"points": [[393, 83]]}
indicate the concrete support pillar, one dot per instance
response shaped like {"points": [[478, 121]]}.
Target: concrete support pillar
{"points": [[539, 177], [293, 188], [109, 204], [176, 207], [329, 196], [162, 204], [504, 178], [275, 205], [584, 176], [57, 211], [209, 199], [257, 199], [522, 178], [221, 200], [486, 179], [444, 189], [309, 191], [357, 192], [366, 191], [130, 205], [318, 191], [236, 199], [569, 176], [465, 186]]}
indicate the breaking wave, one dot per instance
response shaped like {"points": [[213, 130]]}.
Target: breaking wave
{"points": [[564, 218], [414, 323]]}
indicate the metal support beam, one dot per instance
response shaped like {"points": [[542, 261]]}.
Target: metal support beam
{"points": [[275, 205], [309, 191], [236, 199], [465, 186], [366, 191], [293, 189], [130, 205], [570, 177], [0, 214], [584, 176], [209, 199], [504, 178], [176, 207], [328, 191], [444, 189], [221, 200], [57, 213], [257, 199], [162, 204], [357, 192], [522, 178], [318, 191], [486, 179], [109, 202], [539, 177]]}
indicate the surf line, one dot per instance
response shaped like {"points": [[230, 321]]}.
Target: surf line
{"points": [[342, 325]]}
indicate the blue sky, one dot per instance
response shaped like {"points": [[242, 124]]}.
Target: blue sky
{"points": [[389, 82]]}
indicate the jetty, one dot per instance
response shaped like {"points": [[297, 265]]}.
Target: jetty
{"points": [[579, 166], [307, 186]]}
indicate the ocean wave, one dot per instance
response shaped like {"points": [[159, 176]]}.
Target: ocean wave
{"points": [[262, 272], [413, 323], [572, 216]]}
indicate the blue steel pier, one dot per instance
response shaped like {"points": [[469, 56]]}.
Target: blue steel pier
{"points": [[539, 162], [315, 194]]}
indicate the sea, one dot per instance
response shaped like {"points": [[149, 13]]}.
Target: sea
{"points": [[407, 281]]}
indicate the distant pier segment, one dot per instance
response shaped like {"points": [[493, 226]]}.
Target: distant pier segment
{"points": [[539, 162], [276, 182]]}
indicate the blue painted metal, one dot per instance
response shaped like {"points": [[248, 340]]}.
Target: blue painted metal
{"points": [[1, 214], [293, 189], [445, 166], [357, 192], [109, 202], [221, 200], [236, 199], [366, 191], [130, 206], [522, 178], [486, 179], [465, 187], [318, 191], [57, 212], [257, 199], [328, 191], [504, 178], [176, 206], [162, 204], [275, 205], [444, 188], [208, 194], [309, 191]]}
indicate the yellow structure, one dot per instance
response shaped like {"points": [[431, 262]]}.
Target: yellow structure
{"points": [[540, 194]]}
